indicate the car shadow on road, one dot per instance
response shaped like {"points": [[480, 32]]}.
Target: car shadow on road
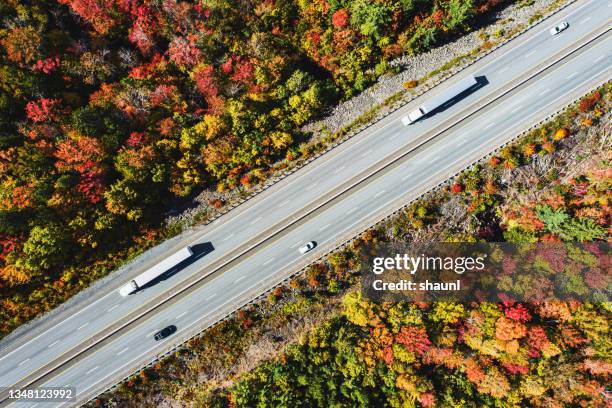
{"points": [[199, 251]]}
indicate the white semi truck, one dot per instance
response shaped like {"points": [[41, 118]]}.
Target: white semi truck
{"points": [[439, 100], [155, 271]]}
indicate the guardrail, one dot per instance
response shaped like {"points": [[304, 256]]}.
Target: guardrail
{"points": [[347, 137], [265, 289]]}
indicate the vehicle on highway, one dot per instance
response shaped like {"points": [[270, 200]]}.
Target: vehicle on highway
{"points": [[155, 271], [438, 100], [165, 332], [309, 246], [559, 27]]}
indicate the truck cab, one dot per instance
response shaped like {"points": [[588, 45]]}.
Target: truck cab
{"points": [[414, 116], [128, 288]]}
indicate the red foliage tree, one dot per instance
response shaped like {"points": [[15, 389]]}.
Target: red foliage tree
{"points": [[243, 71], [137, 139], [427, 399], [183, 53], [142, 32], [8, 244], [205, 81], [387, 355], [340, 18], [92, 187], [518, 313], [473, 371], [47, 65], [587, 103], [515, 368], [84, 155], [42, 110], [437, 17], [99, 13], [414, 339], [456, 188]]}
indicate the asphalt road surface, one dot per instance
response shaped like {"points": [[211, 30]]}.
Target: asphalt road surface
{"points": [[327, 200]]}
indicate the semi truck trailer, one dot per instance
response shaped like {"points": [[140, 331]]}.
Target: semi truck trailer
{"points": [[155, 271], [438, 100]]}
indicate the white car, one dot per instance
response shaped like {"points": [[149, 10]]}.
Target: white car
{"points": [[307, 247], [559, 27]]}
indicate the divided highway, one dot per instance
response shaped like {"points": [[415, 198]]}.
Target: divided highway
{"points": [[255, 246]]}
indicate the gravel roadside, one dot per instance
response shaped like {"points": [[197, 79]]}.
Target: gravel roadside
{"points": [[412, 67]]}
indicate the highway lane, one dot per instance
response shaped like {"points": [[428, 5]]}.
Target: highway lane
{"points": [[108, 303], [304, 187], [395, 185]]}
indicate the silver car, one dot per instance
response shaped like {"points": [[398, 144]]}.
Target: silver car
{"points": [[559, 27]]}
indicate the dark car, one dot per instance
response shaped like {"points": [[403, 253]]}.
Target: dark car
{"points": [[165, 332]]}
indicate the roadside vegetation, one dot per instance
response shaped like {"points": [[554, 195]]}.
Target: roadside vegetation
{"points": [[114, 112], [318, 341]]}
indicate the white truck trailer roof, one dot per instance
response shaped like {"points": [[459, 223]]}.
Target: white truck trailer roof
{"points": [[156, 270], [449, 93]]}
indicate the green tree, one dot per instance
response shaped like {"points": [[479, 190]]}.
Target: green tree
{"points": [[45, 247]]}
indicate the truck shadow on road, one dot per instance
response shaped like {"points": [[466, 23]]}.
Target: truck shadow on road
{"points": [[199, 251], [481, 81]]}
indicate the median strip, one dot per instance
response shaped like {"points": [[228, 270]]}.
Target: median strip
{"points": [[308, 210]]}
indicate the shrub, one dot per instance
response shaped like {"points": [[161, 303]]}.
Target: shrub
{"points": [[411, 84]]}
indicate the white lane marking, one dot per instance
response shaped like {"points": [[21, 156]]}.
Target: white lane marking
{"points": [[64, 321], [366, 153], [296, 244], [228, 237], [324, 227], [586, 19], [81, 326], [240, 278], [352, 210], [313, 185], [489, 125], [35, 405], [544, 92], [516, 109], [504, 69], [212, 296], [393, 136], [530, 54], [255, 220], [153, 332], [267, 262], [462, 142], [122, 351], [339, 169], [360, 141], [53, 344], [218, 220], [570, 76], [600, 58], [24, 361], [112, 307], [181, 315], [92, 370], [407, 176], [518, 45], [350, 226], [284, 203], [379, 194]]}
